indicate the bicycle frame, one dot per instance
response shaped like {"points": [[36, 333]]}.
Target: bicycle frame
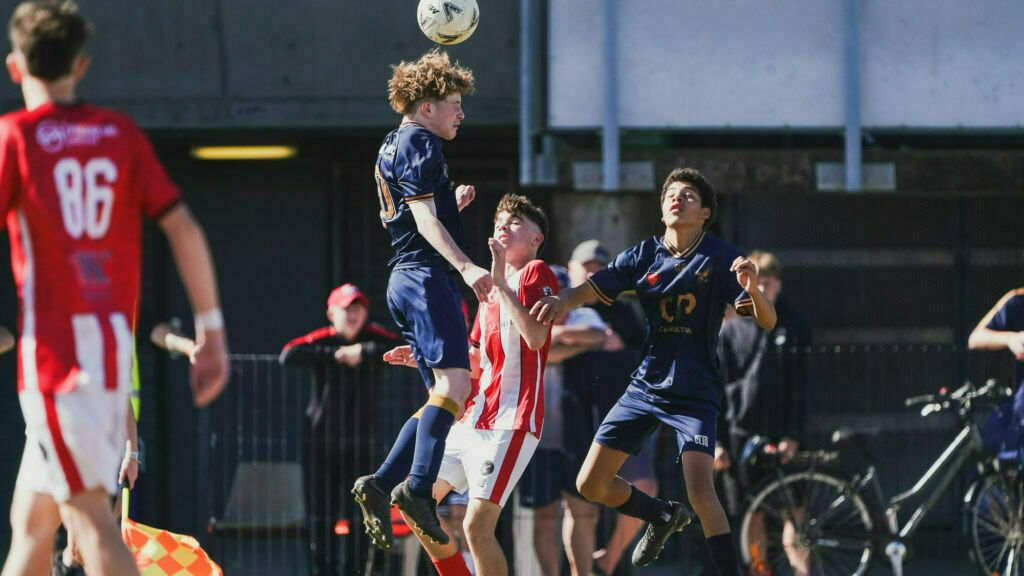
{"points": [[883, 533], [933, 482]]}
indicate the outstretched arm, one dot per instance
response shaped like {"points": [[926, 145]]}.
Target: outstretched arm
{"points": [[427, 224], [195, 266], [402, 356], [550, 307], [165, 337], [985, 338]]}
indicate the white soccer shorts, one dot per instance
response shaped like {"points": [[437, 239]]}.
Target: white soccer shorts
{"points": [[73, 442], [487, 463]]}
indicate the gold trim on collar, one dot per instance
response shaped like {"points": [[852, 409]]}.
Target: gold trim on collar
{"points": [[689, 250]]}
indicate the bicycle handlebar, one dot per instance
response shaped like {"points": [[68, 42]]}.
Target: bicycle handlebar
{"points": [[915, 400], [961, 397]]}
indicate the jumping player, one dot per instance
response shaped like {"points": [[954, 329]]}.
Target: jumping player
{"points": [[489, 447], [1003, 327], [684, 280], [420, 208], [75, 181]]}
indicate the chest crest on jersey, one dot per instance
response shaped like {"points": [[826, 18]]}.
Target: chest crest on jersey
{"points": [[652, 278]]}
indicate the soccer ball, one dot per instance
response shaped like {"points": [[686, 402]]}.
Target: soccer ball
{"points": [[448, 21]]}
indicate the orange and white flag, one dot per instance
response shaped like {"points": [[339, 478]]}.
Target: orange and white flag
{"points": [[161, 553]]}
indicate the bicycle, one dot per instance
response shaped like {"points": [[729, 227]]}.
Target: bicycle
{"points": [[815, 521]]}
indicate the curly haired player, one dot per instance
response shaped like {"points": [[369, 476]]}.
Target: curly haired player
{"points": [[420, 208]]}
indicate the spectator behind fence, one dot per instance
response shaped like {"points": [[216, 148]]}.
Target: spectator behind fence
{"points": [[594, 381], [338, 433], [766, 378], [547, 478], [766, 391], [1003, 327]]}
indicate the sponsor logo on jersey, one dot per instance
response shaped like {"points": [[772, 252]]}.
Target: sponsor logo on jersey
{"points": [[547, 290], [704, 275], [701, 440], [91, 267], [55, 136]]}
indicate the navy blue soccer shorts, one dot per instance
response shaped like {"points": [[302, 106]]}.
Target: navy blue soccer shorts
{"points": [[633, 419], [427, 306], [641, 466]]}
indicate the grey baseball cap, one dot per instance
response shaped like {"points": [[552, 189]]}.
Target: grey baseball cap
{"points": [[562, 275], [591, 250]]}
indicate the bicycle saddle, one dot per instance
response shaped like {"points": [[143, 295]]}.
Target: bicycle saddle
{"points": [[842, 435]]}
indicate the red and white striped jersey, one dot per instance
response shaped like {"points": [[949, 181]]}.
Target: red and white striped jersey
{"points": [[75, 181], [510, 393]]}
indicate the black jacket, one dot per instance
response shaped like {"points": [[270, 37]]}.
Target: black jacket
{"points": [[337, 384], [766, 375]]}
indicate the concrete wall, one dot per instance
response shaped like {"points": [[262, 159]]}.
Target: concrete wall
{"points": [[690, 64], [259, 63]]}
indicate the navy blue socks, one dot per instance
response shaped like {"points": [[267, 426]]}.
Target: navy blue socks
{"points": [[396, 466], [645, 507], [435, 422], [723, 554]]}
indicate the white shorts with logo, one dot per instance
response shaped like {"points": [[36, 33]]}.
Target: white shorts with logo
{"points": [[74, 442], [487, 463]]}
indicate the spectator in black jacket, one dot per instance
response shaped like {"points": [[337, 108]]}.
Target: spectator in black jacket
{"points": [[338, 432], [766, 380]]}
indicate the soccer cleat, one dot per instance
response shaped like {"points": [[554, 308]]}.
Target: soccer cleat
{"points": [[421, 511], [376, 507], [653, 540]]}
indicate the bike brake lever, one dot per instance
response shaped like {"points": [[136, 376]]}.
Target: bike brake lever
{"points": [[918, 399], [961, 391]]}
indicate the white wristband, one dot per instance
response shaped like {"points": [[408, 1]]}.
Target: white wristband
{"points": [[210, 320]]}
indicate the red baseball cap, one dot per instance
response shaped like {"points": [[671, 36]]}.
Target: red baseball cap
{"points": [[345, 295]]}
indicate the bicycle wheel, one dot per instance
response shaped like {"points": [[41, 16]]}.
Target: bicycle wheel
{"points": [[995, 516], [807, 523]]}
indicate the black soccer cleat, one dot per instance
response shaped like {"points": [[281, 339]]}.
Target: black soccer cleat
{"points": [[653, 540], [376, 507], [421, 511]]}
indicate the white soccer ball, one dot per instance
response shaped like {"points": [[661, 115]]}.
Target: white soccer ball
{"points": [[448, 21]]}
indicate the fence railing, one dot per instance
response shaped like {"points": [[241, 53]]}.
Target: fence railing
{"points": [[245, 465]]}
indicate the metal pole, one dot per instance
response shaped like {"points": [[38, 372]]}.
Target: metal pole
{"points": [[851, 27], [610, 128], [526, 104]]}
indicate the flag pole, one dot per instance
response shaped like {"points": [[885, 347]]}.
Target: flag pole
{"points": [[124, 501]]}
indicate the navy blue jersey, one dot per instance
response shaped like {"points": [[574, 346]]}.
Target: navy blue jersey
{"points": [[1010, 318], [411, 168], [684, 296]]}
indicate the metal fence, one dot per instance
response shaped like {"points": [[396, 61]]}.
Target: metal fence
{"points": [[233, 474]]}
